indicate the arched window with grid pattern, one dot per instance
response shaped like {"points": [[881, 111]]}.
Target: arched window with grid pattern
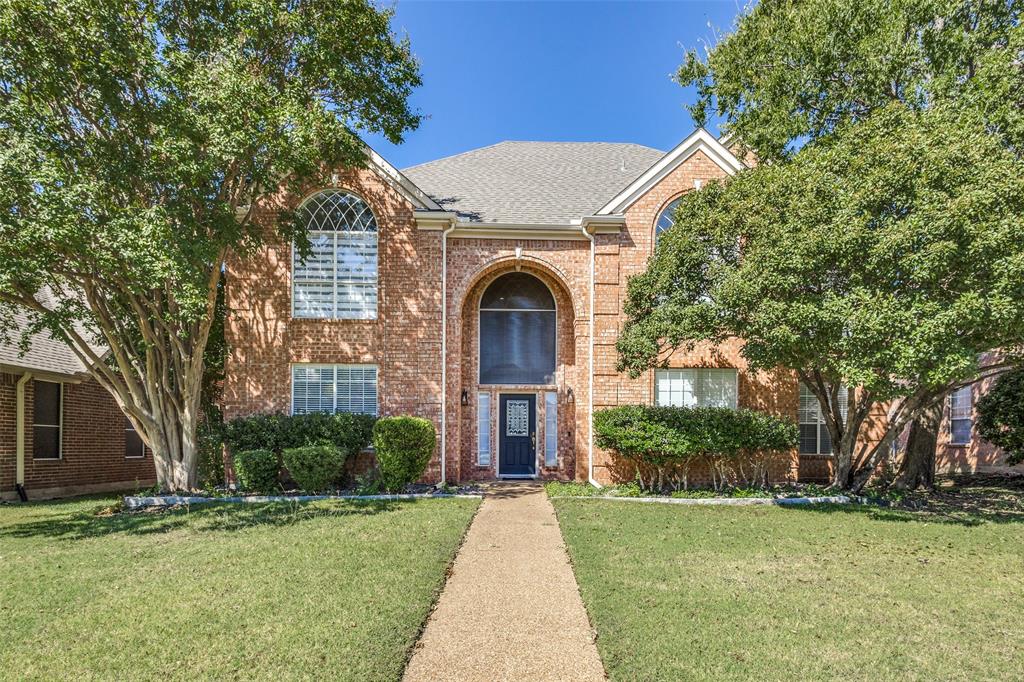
{"points": [[338, 278]]}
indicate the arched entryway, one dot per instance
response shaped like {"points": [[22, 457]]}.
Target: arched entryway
{"points": [[518, 376]]}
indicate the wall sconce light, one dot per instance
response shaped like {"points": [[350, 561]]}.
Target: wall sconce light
{"points": [[569, 397], [465, 397]]}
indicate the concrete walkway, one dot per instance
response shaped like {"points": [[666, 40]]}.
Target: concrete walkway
{"points": [[511, 609]]}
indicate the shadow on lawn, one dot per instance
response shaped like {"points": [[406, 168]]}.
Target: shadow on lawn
{"points": [[968, 501], [215, 517]]}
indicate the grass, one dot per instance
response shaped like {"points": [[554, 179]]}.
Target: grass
{"points": [[826, 592], [278, 591]]}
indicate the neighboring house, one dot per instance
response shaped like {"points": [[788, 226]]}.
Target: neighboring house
{"points": [[484, 291], [61, 433]]}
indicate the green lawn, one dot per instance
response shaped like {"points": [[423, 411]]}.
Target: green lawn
{"points": [[681, 593], [283, 591]]}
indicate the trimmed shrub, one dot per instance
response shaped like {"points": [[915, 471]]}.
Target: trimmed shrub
{"points": [[314, 467], [665, 442], [404, 446], [257, 470], [348, 433]]}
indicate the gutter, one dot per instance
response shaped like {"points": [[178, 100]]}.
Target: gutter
{"points": [[19, 476], [444, 348], [590, 390]]}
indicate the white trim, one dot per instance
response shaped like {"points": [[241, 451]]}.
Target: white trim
{"points": [[19, 420], [404, 185], [590, 378], [699, 140], [497, 449]]}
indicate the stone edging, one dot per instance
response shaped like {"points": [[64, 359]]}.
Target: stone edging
{"points": [[134, 502], [734, 501]]}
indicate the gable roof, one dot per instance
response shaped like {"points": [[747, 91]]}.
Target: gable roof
{"points": [[532, 183], [700, 140]]}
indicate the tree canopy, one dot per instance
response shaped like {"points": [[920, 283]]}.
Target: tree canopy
{"points": [[1001, 415], [886, 257], [136, 139], [794, 70]]}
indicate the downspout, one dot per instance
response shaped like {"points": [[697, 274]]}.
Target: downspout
{"points": [[590, 390], [444, 348], [19, 476]]}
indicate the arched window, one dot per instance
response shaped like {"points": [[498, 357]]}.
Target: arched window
{"points": [[517, 331], [338, 279], [666, 219]]}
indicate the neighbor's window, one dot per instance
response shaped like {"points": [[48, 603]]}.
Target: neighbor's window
{"points": [[696, 387], [814, 436], [551, 429], [134, 448], [483, 429], [666, 219], [334, 388], [338, 279], [517, 331], [48, 405], [960, 416]]}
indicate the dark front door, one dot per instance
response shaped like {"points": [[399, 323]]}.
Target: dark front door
{"points": [[518, 435]]}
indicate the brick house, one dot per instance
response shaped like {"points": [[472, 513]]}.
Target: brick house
{"points": [[61, 433], [484, 291]]}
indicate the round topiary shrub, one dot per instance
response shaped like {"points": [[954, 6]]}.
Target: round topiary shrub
{"points": [[256, 470], [315, 467], [404, 446]]}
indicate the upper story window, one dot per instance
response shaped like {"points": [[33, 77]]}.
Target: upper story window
{"points": [[667, 218], [517, 331], [696, 387], [338, 280]]}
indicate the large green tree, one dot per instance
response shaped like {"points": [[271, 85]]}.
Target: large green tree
{"points": [[885, 257], [795, 70], [136, 140]]}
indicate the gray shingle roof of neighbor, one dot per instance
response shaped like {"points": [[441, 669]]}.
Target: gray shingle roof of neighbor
{"points": [[45, 353], [532, 182]]}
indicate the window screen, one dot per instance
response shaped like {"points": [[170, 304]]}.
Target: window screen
{"points": [[134, 448], [696, 387], [517, 331], [46, 422]]}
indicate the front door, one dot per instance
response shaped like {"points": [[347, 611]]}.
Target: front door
{"points": [[518, 435]]}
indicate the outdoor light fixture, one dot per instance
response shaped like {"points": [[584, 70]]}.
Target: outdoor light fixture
{"points": [[568, 395], [465, 397]]}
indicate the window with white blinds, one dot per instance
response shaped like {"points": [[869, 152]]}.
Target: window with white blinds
{"points": [[961, 417], [338, 278], [696, 387], [814, 436], [483, 429], [550, 429], [334, 388]]}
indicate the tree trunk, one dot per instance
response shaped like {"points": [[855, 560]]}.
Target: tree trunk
{"points": [[917, 470], [842, 469]]}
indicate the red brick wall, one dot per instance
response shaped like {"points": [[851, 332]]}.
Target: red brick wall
{"points": [[404, 342], [92, 445]]}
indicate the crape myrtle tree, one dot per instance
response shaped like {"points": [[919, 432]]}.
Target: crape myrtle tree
{"points": [[135, 140], [886, 257], [794, 71]]}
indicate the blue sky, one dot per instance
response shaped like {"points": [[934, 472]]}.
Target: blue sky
{"points": [[565, 71]]}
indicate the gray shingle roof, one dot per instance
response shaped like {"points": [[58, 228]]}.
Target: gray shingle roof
{"points": [[45, 353], [532, 182]]}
